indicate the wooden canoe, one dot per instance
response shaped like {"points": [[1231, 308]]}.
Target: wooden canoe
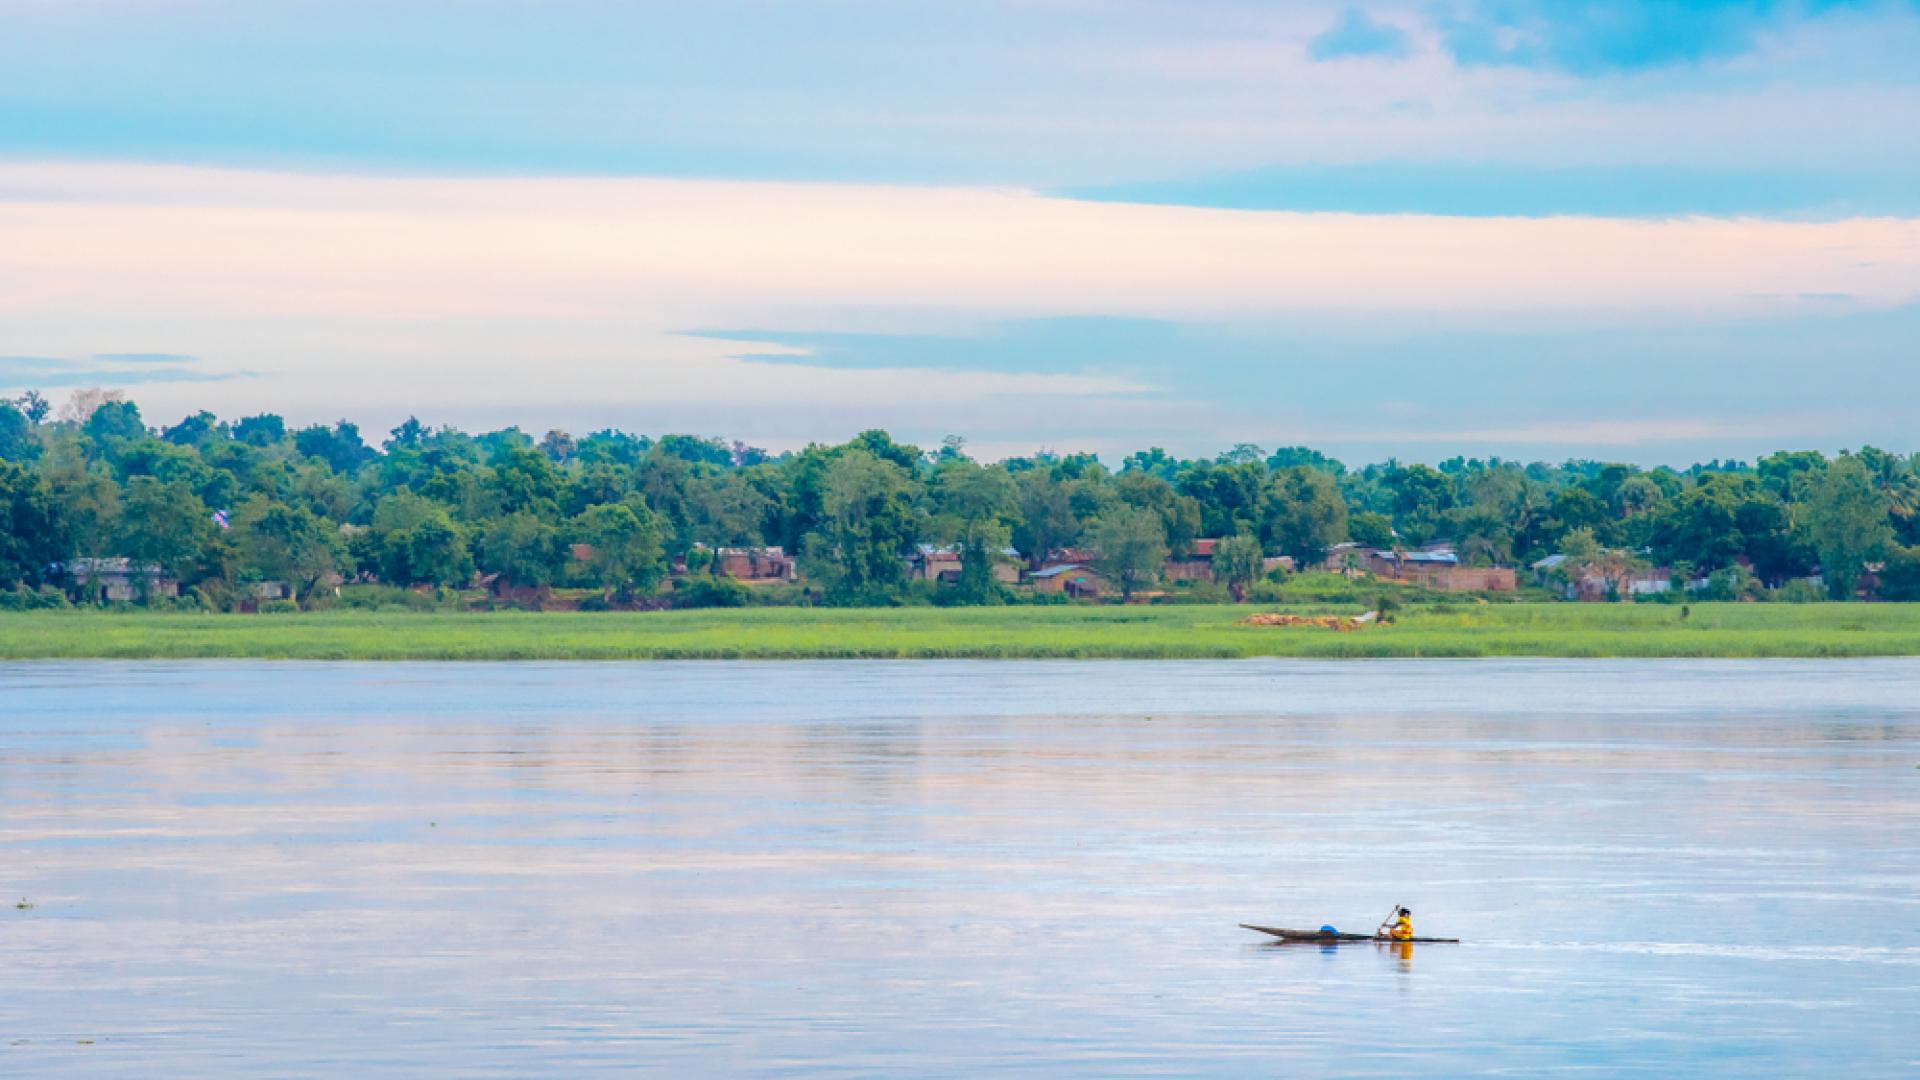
{"points": [[1315, 937]]}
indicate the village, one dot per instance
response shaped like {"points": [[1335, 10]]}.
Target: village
{"points": [[1063, 575], [1073, 574]]}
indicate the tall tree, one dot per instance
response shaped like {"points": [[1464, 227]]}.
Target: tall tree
{"points": [[194, 430], [1304, 514], [164, 524], [1046, 521], [340, 446], [32, 535], [1130, 546], [1900, 577], [16, 433], [524, 549], [260, 431], [1421, 498], [976, 509], [869, 526], [1181, 516], [115, 421], [288, 543], [524, 479], [1238, 561], [623, 543], [1846, 523], [416, 542]]}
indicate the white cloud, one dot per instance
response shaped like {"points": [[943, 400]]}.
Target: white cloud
{"points": [[377, 296]]}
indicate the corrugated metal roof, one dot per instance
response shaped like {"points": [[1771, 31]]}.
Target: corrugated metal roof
{"points": [[1446, 558]]}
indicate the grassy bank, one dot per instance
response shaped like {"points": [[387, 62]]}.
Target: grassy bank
{"points": [[1711, 630]]}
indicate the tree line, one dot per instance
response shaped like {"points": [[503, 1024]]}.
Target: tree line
{"points": [[218, 505]]}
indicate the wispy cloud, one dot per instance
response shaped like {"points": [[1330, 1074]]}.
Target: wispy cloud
{"points": [[963, 309], [114, 369], [1505, 189], [145, 358]]}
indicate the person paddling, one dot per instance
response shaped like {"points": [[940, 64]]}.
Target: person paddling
{"points": [[1399, 926]]}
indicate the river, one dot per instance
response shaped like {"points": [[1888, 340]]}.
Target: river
{"points": [[957, 867]]}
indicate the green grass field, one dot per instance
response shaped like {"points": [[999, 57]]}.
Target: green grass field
{"points": [[1712, 630]]}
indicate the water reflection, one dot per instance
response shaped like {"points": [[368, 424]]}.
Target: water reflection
{"points": [[957, 867]]}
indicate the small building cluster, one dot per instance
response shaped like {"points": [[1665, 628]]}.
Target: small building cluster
{"points": [[116, 580], [1433, 566]]}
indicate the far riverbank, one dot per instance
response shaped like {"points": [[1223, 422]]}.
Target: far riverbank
{"points": [[1466, 630]]}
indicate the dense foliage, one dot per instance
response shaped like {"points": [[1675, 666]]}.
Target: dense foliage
{"points": [[220, 505]]}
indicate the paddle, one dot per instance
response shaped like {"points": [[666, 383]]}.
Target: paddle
{"points": [[1381, 930]]}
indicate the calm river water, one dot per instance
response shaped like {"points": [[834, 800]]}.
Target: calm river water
{"points": [[844, 868]]}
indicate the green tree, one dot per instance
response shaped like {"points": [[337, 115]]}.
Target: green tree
{"points": [[1700, 527], [1180, 515], [523, 549], [524, 479], [727, 509], [437, 553], [1304, 514], [32, 535], [624, 546], [1368, 529], [194, 430], [1046, 521], [260, 431], [858, 552], [1900, 577], [86, 493], [1289, 456], [977, 505], [1483, 536], [1421, 497], [416, 542], [1846, 524], [288, 543], [164, 524], [115, 421], [340, 446], [1238, 562], [34, 407], [16, 433], [1228, 497], [1130, 546], [410, 435]]}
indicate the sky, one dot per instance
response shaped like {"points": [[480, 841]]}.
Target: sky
{"points": [[1659, 231]]}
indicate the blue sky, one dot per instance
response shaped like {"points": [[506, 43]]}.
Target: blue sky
{"points": [[1762, 158]]}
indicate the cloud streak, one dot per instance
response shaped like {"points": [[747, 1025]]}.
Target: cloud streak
{"points": [[409, 249], [115, 369], [521, 299]]}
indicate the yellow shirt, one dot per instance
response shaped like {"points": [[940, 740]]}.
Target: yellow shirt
{"points": [[1402, 930]]}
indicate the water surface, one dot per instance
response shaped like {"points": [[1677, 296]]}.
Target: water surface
{"points": [[956, 867]]}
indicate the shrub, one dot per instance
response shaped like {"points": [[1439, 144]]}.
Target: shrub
{"points": [[392, 597], [1200, 592], [21, 598], [1036, 598], [1800, 591], [706, 591], [1900, 577]]}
